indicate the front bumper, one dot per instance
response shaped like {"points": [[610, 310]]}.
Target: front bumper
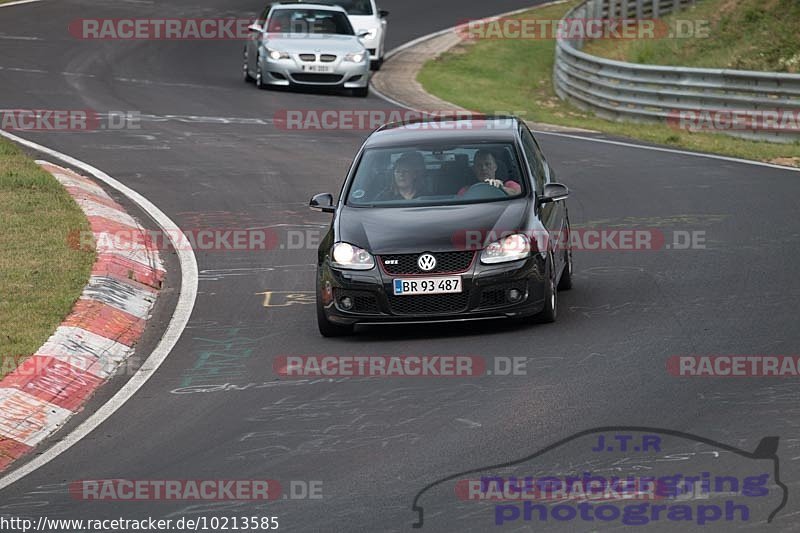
{"points": [[486, 294], [285, 72]]}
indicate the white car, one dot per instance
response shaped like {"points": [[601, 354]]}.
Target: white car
{"points": [[306, 44], [365, 17]]}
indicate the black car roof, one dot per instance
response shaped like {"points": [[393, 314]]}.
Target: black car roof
{"points": [[458, 129]]}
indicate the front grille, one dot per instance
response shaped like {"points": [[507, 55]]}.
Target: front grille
{"points": [[364, 301], [308, 57], [446, 262], [327, 58], [308, 77], [495, 296], [429, 304]]}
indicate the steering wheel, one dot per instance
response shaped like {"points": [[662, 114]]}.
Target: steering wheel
{"points": [[484, 190]]}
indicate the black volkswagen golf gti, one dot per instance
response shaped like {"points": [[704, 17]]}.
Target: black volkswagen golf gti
{"points": [[444, 220]]}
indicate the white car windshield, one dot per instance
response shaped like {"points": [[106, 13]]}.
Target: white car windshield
{"points": [[353, 7], [436, 175], [309, 21]]}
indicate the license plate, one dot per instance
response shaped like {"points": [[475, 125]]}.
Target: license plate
{"points": [[317, 68], [410, 287]]}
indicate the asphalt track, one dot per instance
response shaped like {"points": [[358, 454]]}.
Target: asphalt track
{"points": [[374, 443]]}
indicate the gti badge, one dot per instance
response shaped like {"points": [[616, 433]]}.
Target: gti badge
{"points": [[426, 262]]}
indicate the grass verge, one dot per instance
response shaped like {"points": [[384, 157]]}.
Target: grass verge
{"points": [[516, 75], [742, 34], [41, 275]]}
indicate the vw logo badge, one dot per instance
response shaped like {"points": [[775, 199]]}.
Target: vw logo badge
{"points": [[426, 262]]}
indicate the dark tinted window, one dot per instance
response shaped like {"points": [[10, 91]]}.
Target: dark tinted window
{"points": [[353, 7], [535, 158], [309, 21], [436, 175]]}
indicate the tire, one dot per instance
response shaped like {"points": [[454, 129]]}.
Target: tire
{"points": [[361, 92], [245, 74], [565, 283], [376, 64], [549, 312], [260, 81], [326, 327]]}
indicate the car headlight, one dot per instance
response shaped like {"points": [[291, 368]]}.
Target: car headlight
{"points": [[357, 57], [511, 248], [351, 257], [277, 54]]}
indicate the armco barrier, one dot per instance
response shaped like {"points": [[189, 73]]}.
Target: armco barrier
{"points": [[634, 92]]}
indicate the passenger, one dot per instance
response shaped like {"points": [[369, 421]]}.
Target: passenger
{"points": [[407, 181], [485, 169]]}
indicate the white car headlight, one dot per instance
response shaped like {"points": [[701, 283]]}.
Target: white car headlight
{"points": [[357, 57], [511, 248], [351, 257], [277, 54]]}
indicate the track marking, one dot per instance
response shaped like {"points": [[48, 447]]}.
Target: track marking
{"points": [[175, 328], [19, 3]]}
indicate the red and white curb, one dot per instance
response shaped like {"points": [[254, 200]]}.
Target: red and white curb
{"points": [[46, 389]]}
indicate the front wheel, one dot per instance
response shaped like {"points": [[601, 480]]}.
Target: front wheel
{"points": [[245, 70], [549, 312], [361, 92]]}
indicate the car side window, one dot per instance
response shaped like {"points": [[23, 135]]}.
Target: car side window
{"points": [[534, 157]]}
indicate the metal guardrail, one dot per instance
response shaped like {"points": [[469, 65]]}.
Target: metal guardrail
{"points": [[635, 92]]}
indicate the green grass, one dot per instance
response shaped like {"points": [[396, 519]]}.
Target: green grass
{"points": [[516, 76], [41, 275], [742, 34]]}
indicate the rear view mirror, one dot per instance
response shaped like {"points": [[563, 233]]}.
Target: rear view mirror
{"points": [[254, 27], [322, 202], [554, 192]]}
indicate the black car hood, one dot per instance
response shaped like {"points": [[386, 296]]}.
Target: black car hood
{"points": [[402, 230]]}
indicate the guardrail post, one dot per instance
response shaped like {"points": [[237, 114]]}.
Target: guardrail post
{"points": [[639, 9], [612, 9], [624, 10], [655, 8]]}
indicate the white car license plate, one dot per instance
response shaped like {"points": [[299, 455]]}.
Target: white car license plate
{"points": [[410, 287], [317, 68]]}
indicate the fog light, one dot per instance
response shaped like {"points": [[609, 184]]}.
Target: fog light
{"points": [[514, 295], [346, 303]]}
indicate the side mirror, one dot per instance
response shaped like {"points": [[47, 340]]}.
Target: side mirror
{"points": [[254, 27], [383, 13], [322, 202], [554, 192], [362, 34]]}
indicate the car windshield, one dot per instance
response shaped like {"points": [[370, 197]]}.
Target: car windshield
{"points": [[309, 21], [436, 175], [353, 7]]}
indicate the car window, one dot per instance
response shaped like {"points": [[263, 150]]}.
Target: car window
{"points": [[534, 157], [309, 21], [353, 7], [436, 175]]}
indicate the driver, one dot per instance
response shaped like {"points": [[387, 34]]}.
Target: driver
{"points": [[485, 169]]}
